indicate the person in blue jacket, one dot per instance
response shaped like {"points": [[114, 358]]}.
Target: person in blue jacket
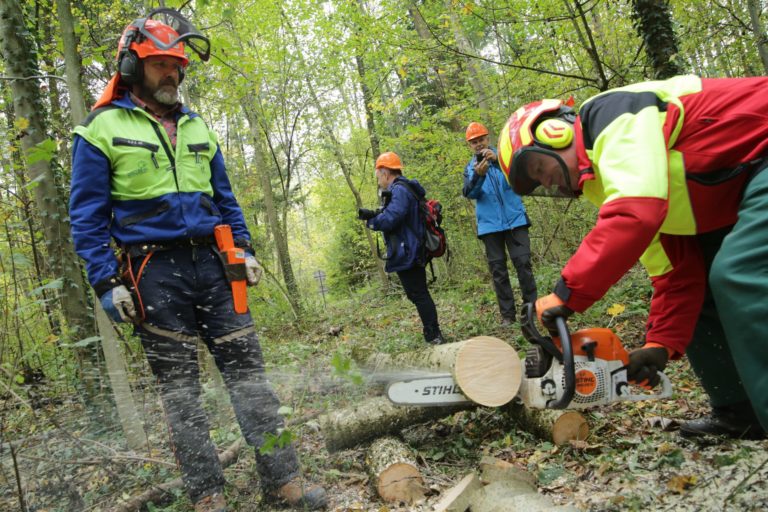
{"points": [[403, 230], [148, 173], [502, 223]]}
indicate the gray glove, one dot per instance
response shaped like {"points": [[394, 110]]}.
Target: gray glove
{"points": [[253, 270], [118, 304]]}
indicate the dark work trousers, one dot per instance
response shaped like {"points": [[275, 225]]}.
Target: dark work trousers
{"points": [[186, 297], [516, 242], [415, 285]]}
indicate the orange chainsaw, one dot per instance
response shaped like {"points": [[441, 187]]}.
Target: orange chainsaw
{"points": [[569, 371]]}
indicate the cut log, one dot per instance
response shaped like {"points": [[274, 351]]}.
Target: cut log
{"points": [[507, 496], [497, 470], [376, 417], [552, 425], [459, 497], [394, 472], [487, 370]]}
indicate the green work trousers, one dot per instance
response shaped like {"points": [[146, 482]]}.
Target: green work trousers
{"points": [[729, 351]]}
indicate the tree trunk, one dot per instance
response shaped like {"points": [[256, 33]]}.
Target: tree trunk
{"points": [[653, 22], [21, 62], [377, 417], [758, 31], [281, 242], [327, 131], [129, 416], [487, 370], [394, 471], [474, 73], [72, 62]]}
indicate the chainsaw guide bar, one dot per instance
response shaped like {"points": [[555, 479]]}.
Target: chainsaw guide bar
{"points": [[438, 390]]}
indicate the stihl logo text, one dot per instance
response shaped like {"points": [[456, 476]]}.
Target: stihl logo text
{"points": [[440, 390]]}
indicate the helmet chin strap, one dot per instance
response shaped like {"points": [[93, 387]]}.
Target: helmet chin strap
{"points": [[567, 174]]}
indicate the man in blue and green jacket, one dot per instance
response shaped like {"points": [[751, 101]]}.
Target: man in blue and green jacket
{"points": [[149, 174], [502, 223]]}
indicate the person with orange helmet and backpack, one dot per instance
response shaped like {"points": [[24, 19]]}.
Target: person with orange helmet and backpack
{"points": [[403, 230], [677, 169], [149, 173], [502, 223]]}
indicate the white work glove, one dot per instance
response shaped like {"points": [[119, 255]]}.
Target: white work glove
{"points": [[118, 304], [253, 270]]}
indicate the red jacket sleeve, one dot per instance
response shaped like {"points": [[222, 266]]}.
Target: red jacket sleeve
{"points": [[625, 228]]}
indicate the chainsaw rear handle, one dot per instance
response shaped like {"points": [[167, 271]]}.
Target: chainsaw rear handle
{"points": [[665, 392]]}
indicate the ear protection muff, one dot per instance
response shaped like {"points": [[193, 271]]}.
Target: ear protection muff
{"points": [[131, 70], [553, 133]]}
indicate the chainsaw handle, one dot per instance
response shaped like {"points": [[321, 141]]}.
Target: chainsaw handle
{"points": [[569, 368], [665, 392]]}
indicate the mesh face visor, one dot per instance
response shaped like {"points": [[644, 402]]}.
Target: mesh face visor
{"points": [[188, 34], [524, 184]]}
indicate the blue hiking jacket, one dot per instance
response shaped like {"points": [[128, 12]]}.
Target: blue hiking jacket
{"points": [[401, 225], [497, 207]]}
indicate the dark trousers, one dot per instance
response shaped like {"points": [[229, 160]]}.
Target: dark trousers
{"points": [[415, 285], [186, 298], [518, 244]]}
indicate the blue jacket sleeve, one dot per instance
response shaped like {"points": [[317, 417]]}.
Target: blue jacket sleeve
{"points": [[90, 210], [395, 212], [473, 183], [225, 199]]}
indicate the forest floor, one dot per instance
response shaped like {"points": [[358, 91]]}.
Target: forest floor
{"points": [[633, 459]]}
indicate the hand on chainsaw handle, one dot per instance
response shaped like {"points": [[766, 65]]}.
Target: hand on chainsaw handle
{"points": [[253, 270], [118, 304], [550, 307], [646, 362]]}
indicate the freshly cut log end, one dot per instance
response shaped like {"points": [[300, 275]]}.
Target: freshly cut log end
{"points": [[401, 483], [488, 371], [570, 425], [395, 472]]}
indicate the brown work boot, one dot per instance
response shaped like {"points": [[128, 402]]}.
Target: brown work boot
{"points": [[300, 495], [212, 503]]}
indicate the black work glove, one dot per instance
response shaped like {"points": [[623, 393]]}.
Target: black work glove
{"points": [[645, 362], [550, 307], [364, 214]]}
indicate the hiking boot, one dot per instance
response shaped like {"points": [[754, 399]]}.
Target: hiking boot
{"points": [[300, 495], [735, 421], [438, 340], [507, 321], [212, 503]]}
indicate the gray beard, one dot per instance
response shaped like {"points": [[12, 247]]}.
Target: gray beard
{"points": [[166, 95]]}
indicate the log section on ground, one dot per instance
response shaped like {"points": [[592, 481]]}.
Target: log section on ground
{"points": [[394, 472], [552, 425], [487, 369], [376, 417], [458, 497]]}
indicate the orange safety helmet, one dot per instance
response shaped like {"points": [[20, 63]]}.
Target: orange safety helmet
{"points": [[388, 160], [475, 130], [539, 127], [162, 32]]}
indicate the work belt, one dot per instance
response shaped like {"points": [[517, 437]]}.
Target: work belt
{"points": [[144, 248]]}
